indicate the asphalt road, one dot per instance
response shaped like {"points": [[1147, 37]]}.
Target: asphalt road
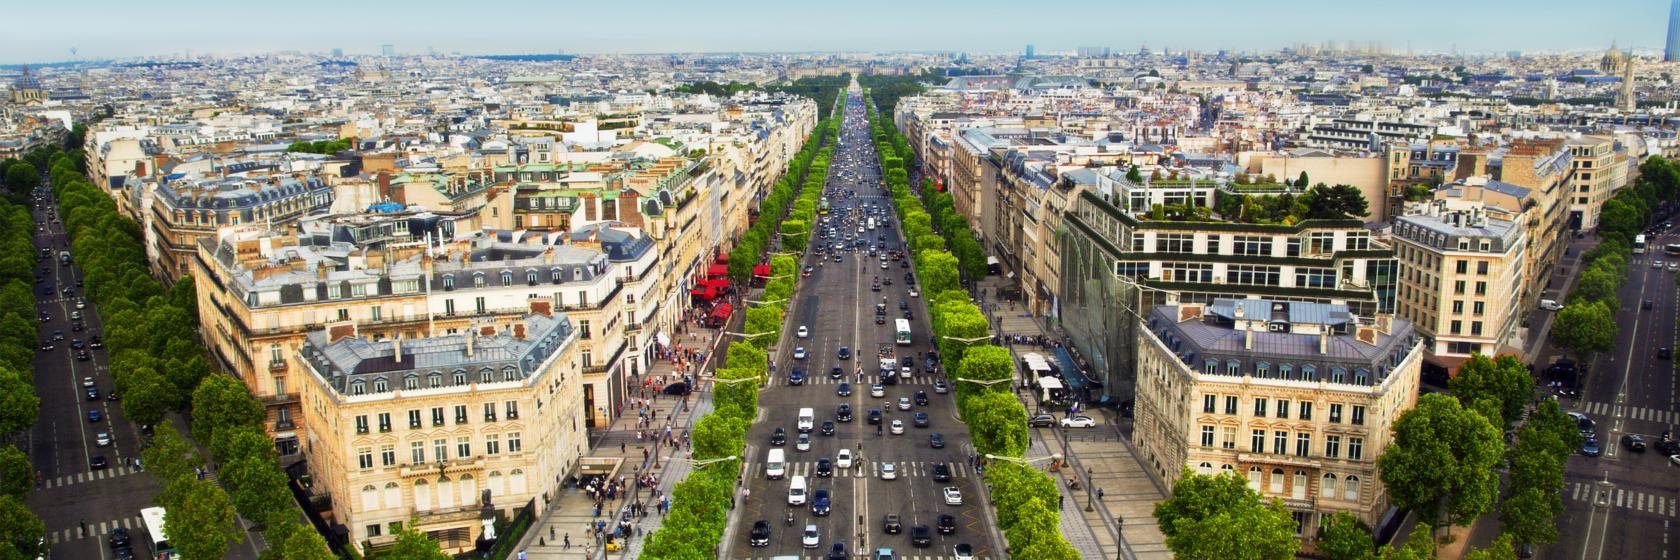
{"points": [[1625, 504], [837, 304]]}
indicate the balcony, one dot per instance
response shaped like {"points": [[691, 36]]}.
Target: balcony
{"points": [[449, 467], [608, 363], [284, 424], [277, 366], [280, 399]]}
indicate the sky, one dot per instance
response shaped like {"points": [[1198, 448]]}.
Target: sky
{"points": [[100, 29]]}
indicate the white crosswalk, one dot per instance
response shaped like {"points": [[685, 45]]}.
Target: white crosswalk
{"points": [[98, 530], [79, 478], [822, 378], [1627, 499], [1668, 417], [869, 469]]}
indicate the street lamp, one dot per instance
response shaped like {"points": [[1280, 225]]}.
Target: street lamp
{"points": [[703, 462], [968, 340], [766, 302], [983, 383], [748, 335], [1057, 457]]}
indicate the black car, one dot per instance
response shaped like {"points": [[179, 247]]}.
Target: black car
{"points": [[1634, 443], [760, 533], [845, 353], [98, 463], [921, 536], [947, 525], [796, 377], [891, 525], [93, 393], [875, 416], [941, 472], [119, 537], [843, 412], [836, 372], [778, 437], [820, 503], [838, 552], [936, 441], [904, 305], [827, 428], [844, 389], [907, 314], [880, 318], [825, 467], [920, 419], [47, 345], [81, 355], [97, 342], [921, 398]]}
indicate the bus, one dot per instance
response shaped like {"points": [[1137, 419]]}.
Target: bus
{"points": [[1638, 244], [153, 518], [902, 332], [1672, 248], [822, 206]]}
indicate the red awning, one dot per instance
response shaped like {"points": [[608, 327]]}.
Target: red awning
{"points": [[761, 270], [705, 292], [722, 310], [723, 258], [718, 283], [717, 270]]}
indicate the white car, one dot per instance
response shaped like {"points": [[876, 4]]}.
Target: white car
{"points": [[804, 442], [914, 293], [87, 381], [810, 539], [843, 459], [103, 439], [804, 332], [1656, 264], [883, 265], [80, 304], [877, 391], [962, 552], [889, 471], [1078, 422], [904, 403], [799, 352], [898, 427], [953, 496]]}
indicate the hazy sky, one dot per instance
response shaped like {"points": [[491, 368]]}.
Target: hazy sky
{"points": [[46, 31]]}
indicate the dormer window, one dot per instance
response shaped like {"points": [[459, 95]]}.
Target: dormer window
{"points": [[357, 387], [459, 377], [510, 374], [531, 277], [1361, 376], [478, 279], [411, 383], [380, 385], [554, 275], [486, 375], [448, 282], [1309, 373], [434, 380], [507, 278]]}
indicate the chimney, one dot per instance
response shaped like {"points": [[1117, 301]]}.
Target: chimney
{"points": [[470, 335], [320, 271], [519, 330], [1324, 340], [340, 331], [396, 348], [542, 306], [1248, 336]]}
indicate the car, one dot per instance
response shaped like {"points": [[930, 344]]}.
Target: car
{"points": [[803, 443], [1666, 444], [796, 377], [1584, 423], [962, 551], [779, 437], [885, 553], [819, 503], [1645, 304], [804, 332], [98, 463], [1634, 443], [1042, 421], [946, 525], [82, 355], [941, 472], [58, 335], [75, 315], [874, 416], [44, 316], [877, 391], [921, 536], [1078, 422], [1674, 459], [1590, 447], [914, 293], [836, 372], [953, 496], [47, 345], [838, 552], [1663, 353], [940, 387], [891, 525], [1656, 264], [921, 398], [92, 393], [76, 326], [77, 343], [880, 318], [844, 389], [799, 352], [1674, 266], [903, 304], [843, 412], [845, 353], [828, 428], [96, 342], [825, 467], [102, 439], [936, 441], [904, 403], [920, 419], [810, 538], [897, 427], [87, 381], [843, 459], [889, 471], [118, 537], [81, 304], [760, 535], [806, 272]]}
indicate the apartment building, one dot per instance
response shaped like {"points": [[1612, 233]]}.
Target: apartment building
{"points": [[440, 433], [1461, 277], [1365, 134], [1598, 171], [1297, 397], [184, 211]]}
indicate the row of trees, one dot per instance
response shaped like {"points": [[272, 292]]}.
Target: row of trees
{"points": [[327, 147], [1319, 202], [700, 504], [1028, 502], [158, 366], [21, 531], [824, 89]]}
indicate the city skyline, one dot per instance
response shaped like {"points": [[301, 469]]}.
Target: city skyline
{"points": [[758, 26]]}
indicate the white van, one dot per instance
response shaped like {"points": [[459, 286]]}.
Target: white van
{"points": [[1550, 305], [776, 467], [807, 419], [796, 491]]}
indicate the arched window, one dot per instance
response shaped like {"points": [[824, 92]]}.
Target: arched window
{"points": [[554, 277], [1205, 468], [1350, 488], [497, 482], [422, 495], [486, 375], [380, 385], [393, 495], [478, 279], [411, 382], [434, 380], [448, 282], [1327, 487], [1298, 486], [459, 377], [1254, 478], [1226, 469], [510, 374], [370, 498], [357, 387], [530, 276], [469, 489], [1277, 481]]}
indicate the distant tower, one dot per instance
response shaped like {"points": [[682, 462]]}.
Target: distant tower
{"points": [[338, 53], [1625, 99], [1672, 53], [27, 90], [1030, 47], [387, 50]]}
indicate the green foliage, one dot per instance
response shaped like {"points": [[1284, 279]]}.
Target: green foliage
{"points": [[21, 532], [1337, 202], [1504, 382], [1134, 175], [19, 407], [15, 472], [328, 147], [1501, 548], [290, 540], [1586, 328], [413, 545], [1441, 462], [1419, 545], [200, 518], [222, 401], [1220, 517], [763, 320], [937, 271], [1344, 537], [997, 422]]}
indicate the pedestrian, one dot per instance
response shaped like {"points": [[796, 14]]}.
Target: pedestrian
{"points": [[84, 527], [568, 542], [1099, 493], [621, 447]]}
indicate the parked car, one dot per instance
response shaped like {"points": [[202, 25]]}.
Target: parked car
{"points": [[1634, 443], [1078, 422], [1042, 421]]}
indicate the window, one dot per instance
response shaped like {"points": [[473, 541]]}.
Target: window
{"points": [[1263, 370], [583, 329], [463, 447], [1332, 446], [411, 383], [1257, 442], [1475, 327], [478, 279], [1230, 405], [1358, 415], [1228, 438], [460, 414], [1210, 367], [1338, 375], [1463, 266], [1292, 247], [1482, 268], [344, 314], [440, 450], [448, 307], [1186, 272], [458, 378], [434, 380], [1356, 448], [512, 410], [1361, 376], [492, 444], [1252, 275], [1280, 442], [530, 277], [1283, 408], [1174, 242], [507, 278], [364, 457], [361, 424], [1478, 308], [448, 282], [513, 442], [1233, 368], [1207, 436], [1327, 487], [387, 455], [1335, 413], [416, 452], [1350, 487], [1252, 245], [384, 422], [489, 412], [1457, 307], [380, 385], [1276, 485], [486, 375], [478, 304], [413, 419], [1456, 327], [1458, 287], [1303, 444], [437, 416], [1481, 288], [1209, 403], [1260, 407], [373, 530], [1306, 410], [357, 387], [1315, 277], [1254, 478]]}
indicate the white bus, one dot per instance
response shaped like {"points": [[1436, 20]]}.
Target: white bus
{"points": [[1638, 244], [902, 334], [153, 518]]}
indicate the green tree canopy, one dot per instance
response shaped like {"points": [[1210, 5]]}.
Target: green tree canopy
{"points": [[1220, 517], [1441, 462], [200, 518], [414, 545], [21, 532], [1337, 202], [1586, 328], [1504, 382], [16, 474], [1345, 537]]}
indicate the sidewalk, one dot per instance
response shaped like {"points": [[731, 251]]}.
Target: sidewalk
{"points": [[1129, 493]]}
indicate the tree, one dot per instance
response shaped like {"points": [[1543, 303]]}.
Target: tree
{"points": [[1595, 284], [1529, 514], [19, 407], [1505, 383], [200, 519], [170, 457], [1336, 202], [291, 540], [1134, 175], [413, 545], [1345, 537], [1500, 549], [22, 177], [21, 532], [1419, 545], [763, 320], [1035, 521], [1586, 328], [1220, 517], [938, 270], [998, 424], [146, 396], [1302, 180], [15, 472], [221, 401], [1441, 462]]}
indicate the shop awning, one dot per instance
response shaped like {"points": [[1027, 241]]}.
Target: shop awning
{"points": [[717, 270], [1049, 383], [723, 258], [722, 310], [716, 283], [704, 292], [761, 270]]}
